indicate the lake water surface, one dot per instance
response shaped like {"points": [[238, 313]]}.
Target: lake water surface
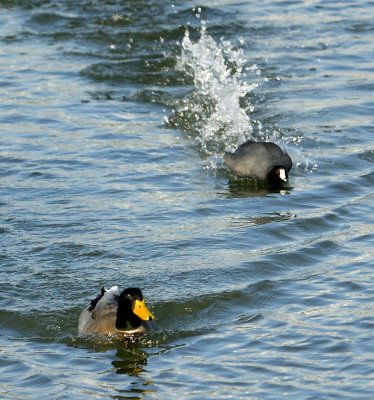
{"points": [[114, 117]]}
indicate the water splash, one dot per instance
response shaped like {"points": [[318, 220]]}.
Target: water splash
{"points": [[216, 113]]}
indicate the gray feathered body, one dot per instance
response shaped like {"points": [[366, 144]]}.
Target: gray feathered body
{"points": [[257, 159]]}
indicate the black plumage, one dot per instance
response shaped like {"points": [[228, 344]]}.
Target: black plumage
{"points": [[263, 161]]}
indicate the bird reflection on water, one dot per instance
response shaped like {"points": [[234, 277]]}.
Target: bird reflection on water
{"points": [[241, 187], [130, 361]]}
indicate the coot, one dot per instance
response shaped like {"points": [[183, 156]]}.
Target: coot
{"points": [[263, 161]]}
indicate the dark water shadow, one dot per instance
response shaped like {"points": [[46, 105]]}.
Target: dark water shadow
{"points": [[247, 221], [130, 361], [241, 187]]}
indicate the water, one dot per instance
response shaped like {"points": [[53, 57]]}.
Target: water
{"points": [[114, 118]]}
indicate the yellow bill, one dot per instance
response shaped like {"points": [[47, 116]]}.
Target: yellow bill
{"points": [[142, 311]]}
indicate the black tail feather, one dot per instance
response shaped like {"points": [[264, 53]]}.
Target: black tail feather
{"points": [[96, 299]]}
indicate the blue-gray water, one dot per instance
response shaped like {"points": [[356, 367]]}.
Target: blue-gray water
{"points": [[113, 123]]}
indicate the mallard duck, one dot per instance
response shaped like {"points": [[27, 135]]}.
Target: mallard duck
{"points": [[113, 311], [264, 161]]}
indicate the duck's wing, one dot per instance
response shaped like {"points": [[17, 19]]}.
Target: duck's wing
{"points": [[100, 315], [107, 304]]}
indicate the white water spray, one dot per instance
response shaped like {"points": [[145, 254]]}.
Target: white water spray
{"points": [[216, 115], [216, 107]]}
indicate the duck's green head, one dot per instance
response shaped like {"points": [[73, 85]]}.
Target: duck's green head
{"points": [[132, 309]]}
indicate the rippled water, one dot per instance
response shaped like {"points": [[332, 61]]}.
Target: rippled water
{"points": [[114, 119]]}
